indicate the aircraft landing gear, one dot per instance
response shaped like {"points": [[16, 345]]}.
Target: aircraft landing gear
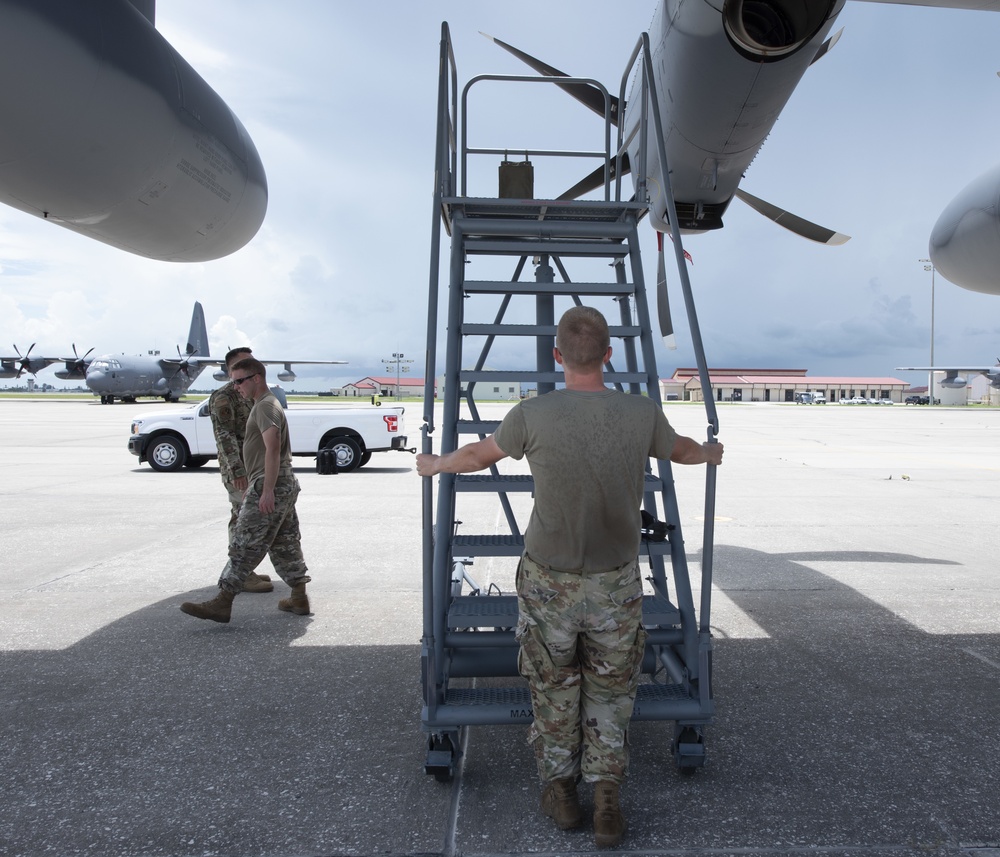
{"points": [[107, 400]]}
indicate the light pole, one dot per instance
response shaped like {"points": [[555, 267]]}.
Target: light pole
{"points": [[397, 358], [930, 375]]}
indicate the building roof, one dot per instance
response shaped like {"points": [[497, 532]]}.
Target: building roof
{"points": [[822, 380], [386, 381], [688, 372], [784, 377]]}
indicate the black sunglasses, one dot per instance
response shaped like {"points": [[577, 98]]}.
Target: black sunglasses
{"points": [[238, 381]]}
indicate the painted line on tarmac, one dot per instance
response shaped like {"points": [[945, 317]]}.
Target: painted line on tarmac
{"points": [[982, 658]]}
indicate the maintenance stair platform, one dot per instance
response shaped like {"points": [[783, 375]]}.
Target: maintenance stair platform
{"points": [[469, 650]]}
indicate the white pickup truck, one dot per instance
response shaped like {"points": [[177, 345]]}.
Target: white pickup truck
{"points": [[179, 437]]}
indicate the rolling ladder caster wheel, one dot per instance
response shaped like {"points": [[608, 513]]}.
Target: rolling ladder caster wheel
{"points": [[689, 749], [442, 756]]}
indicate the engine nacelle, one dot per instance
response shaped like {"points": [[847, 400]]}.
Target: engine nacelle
{"points": [[286, 375], [70, 374], [772, 29], [965, 241], [953, 382], [109, 132], [219, 375]]}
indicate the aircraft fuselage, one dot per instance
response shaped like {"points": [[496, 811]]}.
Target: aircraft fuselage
{"points": [[117, 376]]}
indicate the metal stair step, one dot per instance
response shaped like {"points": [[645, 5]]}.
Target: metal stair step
{"points": [[495, 484], [502, 705], [490, 375], [483, 427], [542, 209], [597, 248], [500, 611], [530, 287], [510, 545], [618, 331]]}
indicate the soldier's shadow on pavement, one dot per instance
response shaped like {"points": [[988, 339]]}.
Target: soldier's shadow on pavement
{"points": [[165, 734], [840, 724]]}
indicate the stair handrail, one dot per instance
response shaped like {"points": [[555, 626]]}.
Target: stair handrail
{"points": [[650, 102], [523, 78]]}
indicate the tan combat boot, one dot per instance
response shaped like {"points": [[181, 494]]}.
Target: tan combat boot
{"points": [[218, 609], [609, 823], [561, 804], [297, 602], [257, 583]]}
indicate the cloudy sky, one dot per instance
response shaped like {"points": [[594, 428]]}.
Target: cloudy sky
{"points": [[340, 100]]}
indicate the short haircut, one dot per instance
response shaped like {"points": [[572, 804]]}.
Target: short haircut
{"points": [[583, 338], [252, 365], [235, 352]]}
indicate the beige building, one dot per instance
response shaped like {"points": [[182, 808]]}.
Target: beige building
{"points": [[778, 385], [384, 387]]}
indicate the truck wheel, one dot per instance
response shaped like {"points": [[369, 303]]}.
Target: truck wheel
{"points": [[166, 454], [366, 456], [348, 453], [196, 461]]}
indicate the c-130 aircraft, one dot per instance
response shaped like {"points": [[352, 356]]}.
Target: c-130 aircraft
{"points": [[124, 377]]}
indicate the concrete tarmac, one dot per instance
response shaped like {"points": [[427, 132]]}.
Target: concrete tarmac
{"points": [[856, 613]]}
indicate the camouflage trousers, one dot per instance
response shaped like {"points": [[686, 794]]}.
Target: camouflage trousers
{"points": [[235, 501], [581, 651], [276, 536]]}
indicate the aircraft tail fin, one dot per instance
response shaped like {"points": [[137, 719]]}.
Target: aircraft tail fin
{"points": [[198, 335]]}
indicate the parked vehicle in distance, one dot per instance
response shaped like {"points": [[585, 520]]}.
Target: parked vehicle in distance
{"points": [[885, 401], [183, 437], [859, 400], [920, 400]]}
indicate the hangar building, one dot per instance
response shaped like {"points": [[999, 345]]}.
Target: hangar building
{"points": [[778, 385]]}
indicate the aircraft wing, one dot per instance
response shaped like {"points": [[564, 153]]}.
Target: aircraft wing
{"points": [[302, 362], [954, 376], [16, 365], [193, 360], [285, 373], [963, 369]]}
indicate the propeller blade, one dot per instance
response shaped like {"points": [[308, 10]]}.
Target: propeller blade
{"points": [[662, 300], [588, 95], [828, 45], [792, 222], [24, 360], [595, 179]]}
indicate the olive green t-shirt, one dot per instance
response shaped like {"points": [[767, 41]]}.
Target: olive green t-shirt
{"points": [[266, 412], [587, 453]]}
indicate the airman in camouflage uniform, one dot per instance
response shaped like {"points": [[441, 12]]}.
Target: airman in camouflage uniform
{"points": [[267, 523], [228, 411], [578, 585]]}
